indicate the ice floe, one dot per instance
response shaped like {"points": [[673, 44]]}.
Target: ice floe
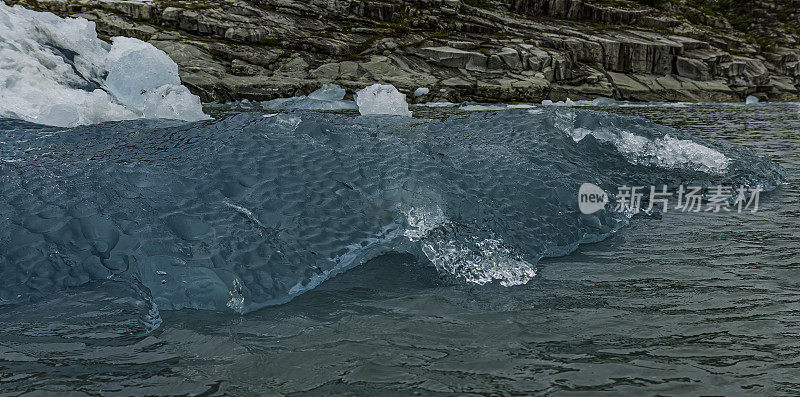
{"points": [[382, 99], [55, 71], [421, 91]]}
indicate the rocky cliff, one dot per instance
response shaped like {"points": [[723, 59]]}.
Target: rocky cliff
{"points": [[481, 50]]}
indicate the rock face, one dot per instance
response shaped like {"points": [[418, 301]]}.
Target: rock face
{"points": [[481, 50]]}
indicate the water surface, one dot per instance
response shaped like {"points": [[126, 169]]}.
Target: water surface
{"points": [[686, 304]]}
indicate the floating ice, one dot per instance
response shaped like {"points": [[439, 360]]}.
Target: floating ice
{"points": [[474, 260], [481, 261], [328, 97], [249, 211], [608, 102], [421, 91], [382, 99], [56, 71], [548, 102], [328, 92], [663, 151], [438, 104], [171, 101], [134, 67], [751, 100], [476, 107], [481, 108]]}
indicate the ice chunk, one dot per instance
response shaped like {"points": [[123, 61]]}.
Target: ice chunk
{"points": [[145, 78], [751, 100], [662, 151], [171, 101], [568, 103], [479, 262], [56, 71], [328, 92], [49, 72], [382, 99], [438, 104], [481, 108], [421, 91], [329, 97], [134, 67]]}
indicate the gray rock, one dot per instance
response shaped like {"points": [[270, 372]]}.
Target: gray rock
{"points": [[455, 58], [692, 68], [233, 49], [242, 68], [510, 58]]}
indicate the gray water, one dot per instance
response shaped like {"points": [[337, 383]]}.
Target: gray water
{"points": [[685, 304]]}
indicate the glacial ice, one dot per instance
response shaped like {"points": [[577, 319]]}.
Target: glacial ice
{"points": [[134, 67], [476, 107], [639, 147], [171, 101], [421, 91], [483, 261], [328, 97], [55, 71], [328, 92], [438, 104], [249, 211], [382, 99], [375, 99], [481, 108], [750, 100]]}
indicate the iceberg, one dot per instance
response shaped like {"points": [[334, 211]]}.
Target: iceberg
{"points": [[171, 101], [750, 100], [135, 67], [568, 102], [382, 99], [421, 91], [55, 71], [249, 211], [328, 97], [328, 92]]}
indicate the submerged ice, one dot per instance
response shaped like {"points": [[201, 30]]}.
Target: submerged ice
{"points": [[250, 211], [55, 71]]}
